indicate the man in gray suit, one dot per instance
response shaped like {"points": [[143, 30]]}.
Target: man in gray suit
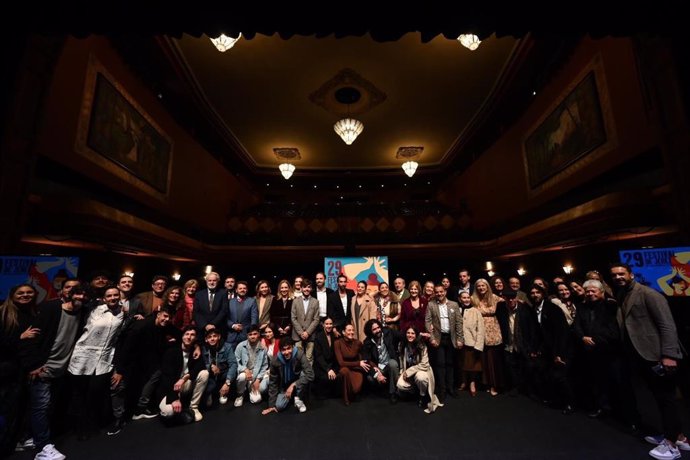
{"points": [[444, 323], [305, 320], [649, 334]]}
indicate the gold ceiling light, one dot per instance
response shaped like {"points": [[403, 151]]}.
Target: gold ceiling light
{"points": [[410, 167], [469, 41], [224, 43], [348, 128], [286, 169], [287, 155], [410, 154]]}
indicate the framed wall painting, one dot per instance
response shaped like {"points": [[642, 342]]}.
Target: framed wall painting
{"points": [[574, 132], [116, 133]]}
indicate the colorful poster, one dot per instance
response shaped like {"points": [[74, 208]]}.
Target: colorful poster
{"points": [[44, 273], [665, 269], [372, 270]]}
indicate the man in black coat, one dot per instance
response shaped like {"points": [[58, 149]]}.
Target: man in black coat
{"points": [[380, 350], [339, 303], [210, 306], [183, 379]]}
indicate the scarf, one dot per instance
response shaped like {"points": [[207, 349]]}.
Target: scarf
{"points": [[288, 371]]}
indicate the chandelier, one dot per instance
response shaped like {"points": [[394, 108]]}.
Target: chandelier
{"points": [[286, 169], [410, 167], [348, 129], [469, 41], [224, 43]]}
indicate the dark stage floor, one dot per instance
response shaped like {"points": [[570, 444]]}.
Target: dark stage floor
{"points": [[475, 428]]}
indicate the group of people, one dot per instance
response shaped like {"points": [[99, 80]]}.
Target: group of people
{"points": [[175, 351]]}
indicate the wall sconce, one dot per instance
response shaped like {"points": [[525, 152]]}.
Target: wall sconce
{"points": [[521, 271], [489, 266], [568, 269], [176, 276], [129, 273], [208, 269], [491, 273]]}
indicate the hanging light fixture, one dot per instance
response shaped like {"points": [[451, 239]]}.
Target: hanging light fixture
{"points": [[469, 41], [286, 169], [348, 129], [224, 43], [410, 167]]}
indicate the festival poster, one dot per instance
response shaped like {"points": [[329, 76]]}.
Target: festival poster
{"points": [[665, 269], [372, 270], [44, 273]]}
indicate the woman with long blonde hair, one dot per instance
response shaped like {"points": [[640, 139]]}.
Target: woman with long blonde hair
{"points": [[492, 356]]}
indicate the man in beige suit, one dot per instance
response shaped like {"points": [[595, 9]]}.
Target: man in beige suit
{"points": [[305, 320], [444, 323]]}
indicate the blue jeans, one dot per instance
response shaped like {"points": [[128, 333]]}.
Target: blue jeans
{"points": [[39, 403]]}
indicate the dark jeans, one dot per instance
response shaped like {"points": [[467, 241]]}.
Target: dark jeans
{"points": [[442, 364], [515, 366], [39, 404], [391, 372], [663, 389], [148, 390], [214, 383]]}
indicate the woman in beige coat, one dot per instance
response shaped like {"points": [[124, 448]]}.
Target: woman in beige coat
{"points": [[362, 308], [473, 330], [416, 371]]}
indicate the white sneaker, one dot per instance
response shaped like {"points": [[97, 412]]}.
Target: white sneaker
{"points": [[197, 415], [665, 451], [223, 400], [49, 452], [254, 397], [239, 401], [299, 404]]}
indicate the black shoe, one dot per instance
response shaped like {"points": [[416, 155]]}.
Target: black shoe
{"points": [[144, 413], [116, 427], [596, 413], [453, 393], [394, 398], [567, 410]]}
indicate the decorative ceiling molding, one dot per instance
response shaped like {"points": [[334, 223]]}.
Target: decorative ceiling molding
{"points": [[409, 153], [287, 153], [325, 96]]}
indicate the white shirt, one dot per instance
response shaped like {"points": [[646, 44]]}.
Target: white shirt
{"points": [[322, 297], [538, 310], [443, 315], [306, 304], [95, 349], [343, 300]]}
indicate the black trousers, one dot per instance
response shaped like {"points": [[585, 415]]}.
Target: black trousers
{"points": [[663, 388], [442, 364]]}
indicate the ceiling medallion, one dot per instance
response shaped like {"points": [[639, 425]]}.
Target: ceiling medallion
{"points": [[328, 96], [408, 153], [287, 153]]}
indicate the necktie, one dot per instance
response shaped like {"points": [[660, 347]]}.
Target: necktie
{"points": [[211, 296]]}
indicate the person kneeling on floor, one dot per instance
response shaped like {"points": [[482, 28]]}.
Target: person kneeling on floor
{"points": [[290, 374], [183, 381]]}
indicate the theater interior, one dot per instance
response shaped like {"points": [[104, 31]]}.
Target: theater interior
{"points": [[130, 141]]}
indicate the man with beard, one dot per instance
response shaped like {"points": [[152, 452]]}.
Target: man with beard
{"points": [[151, 301], [321, 293], [339, 305], [651, 341], [242, 312], [229, 284], [380, 351], [210, 306], [45, 357]]}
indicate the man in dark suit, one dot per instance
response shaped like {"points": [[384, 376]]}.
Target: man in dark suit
{"points": [[465, 285], [242, 313], [210, 306], [649, 334], [554, 348], [339, 305]]}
